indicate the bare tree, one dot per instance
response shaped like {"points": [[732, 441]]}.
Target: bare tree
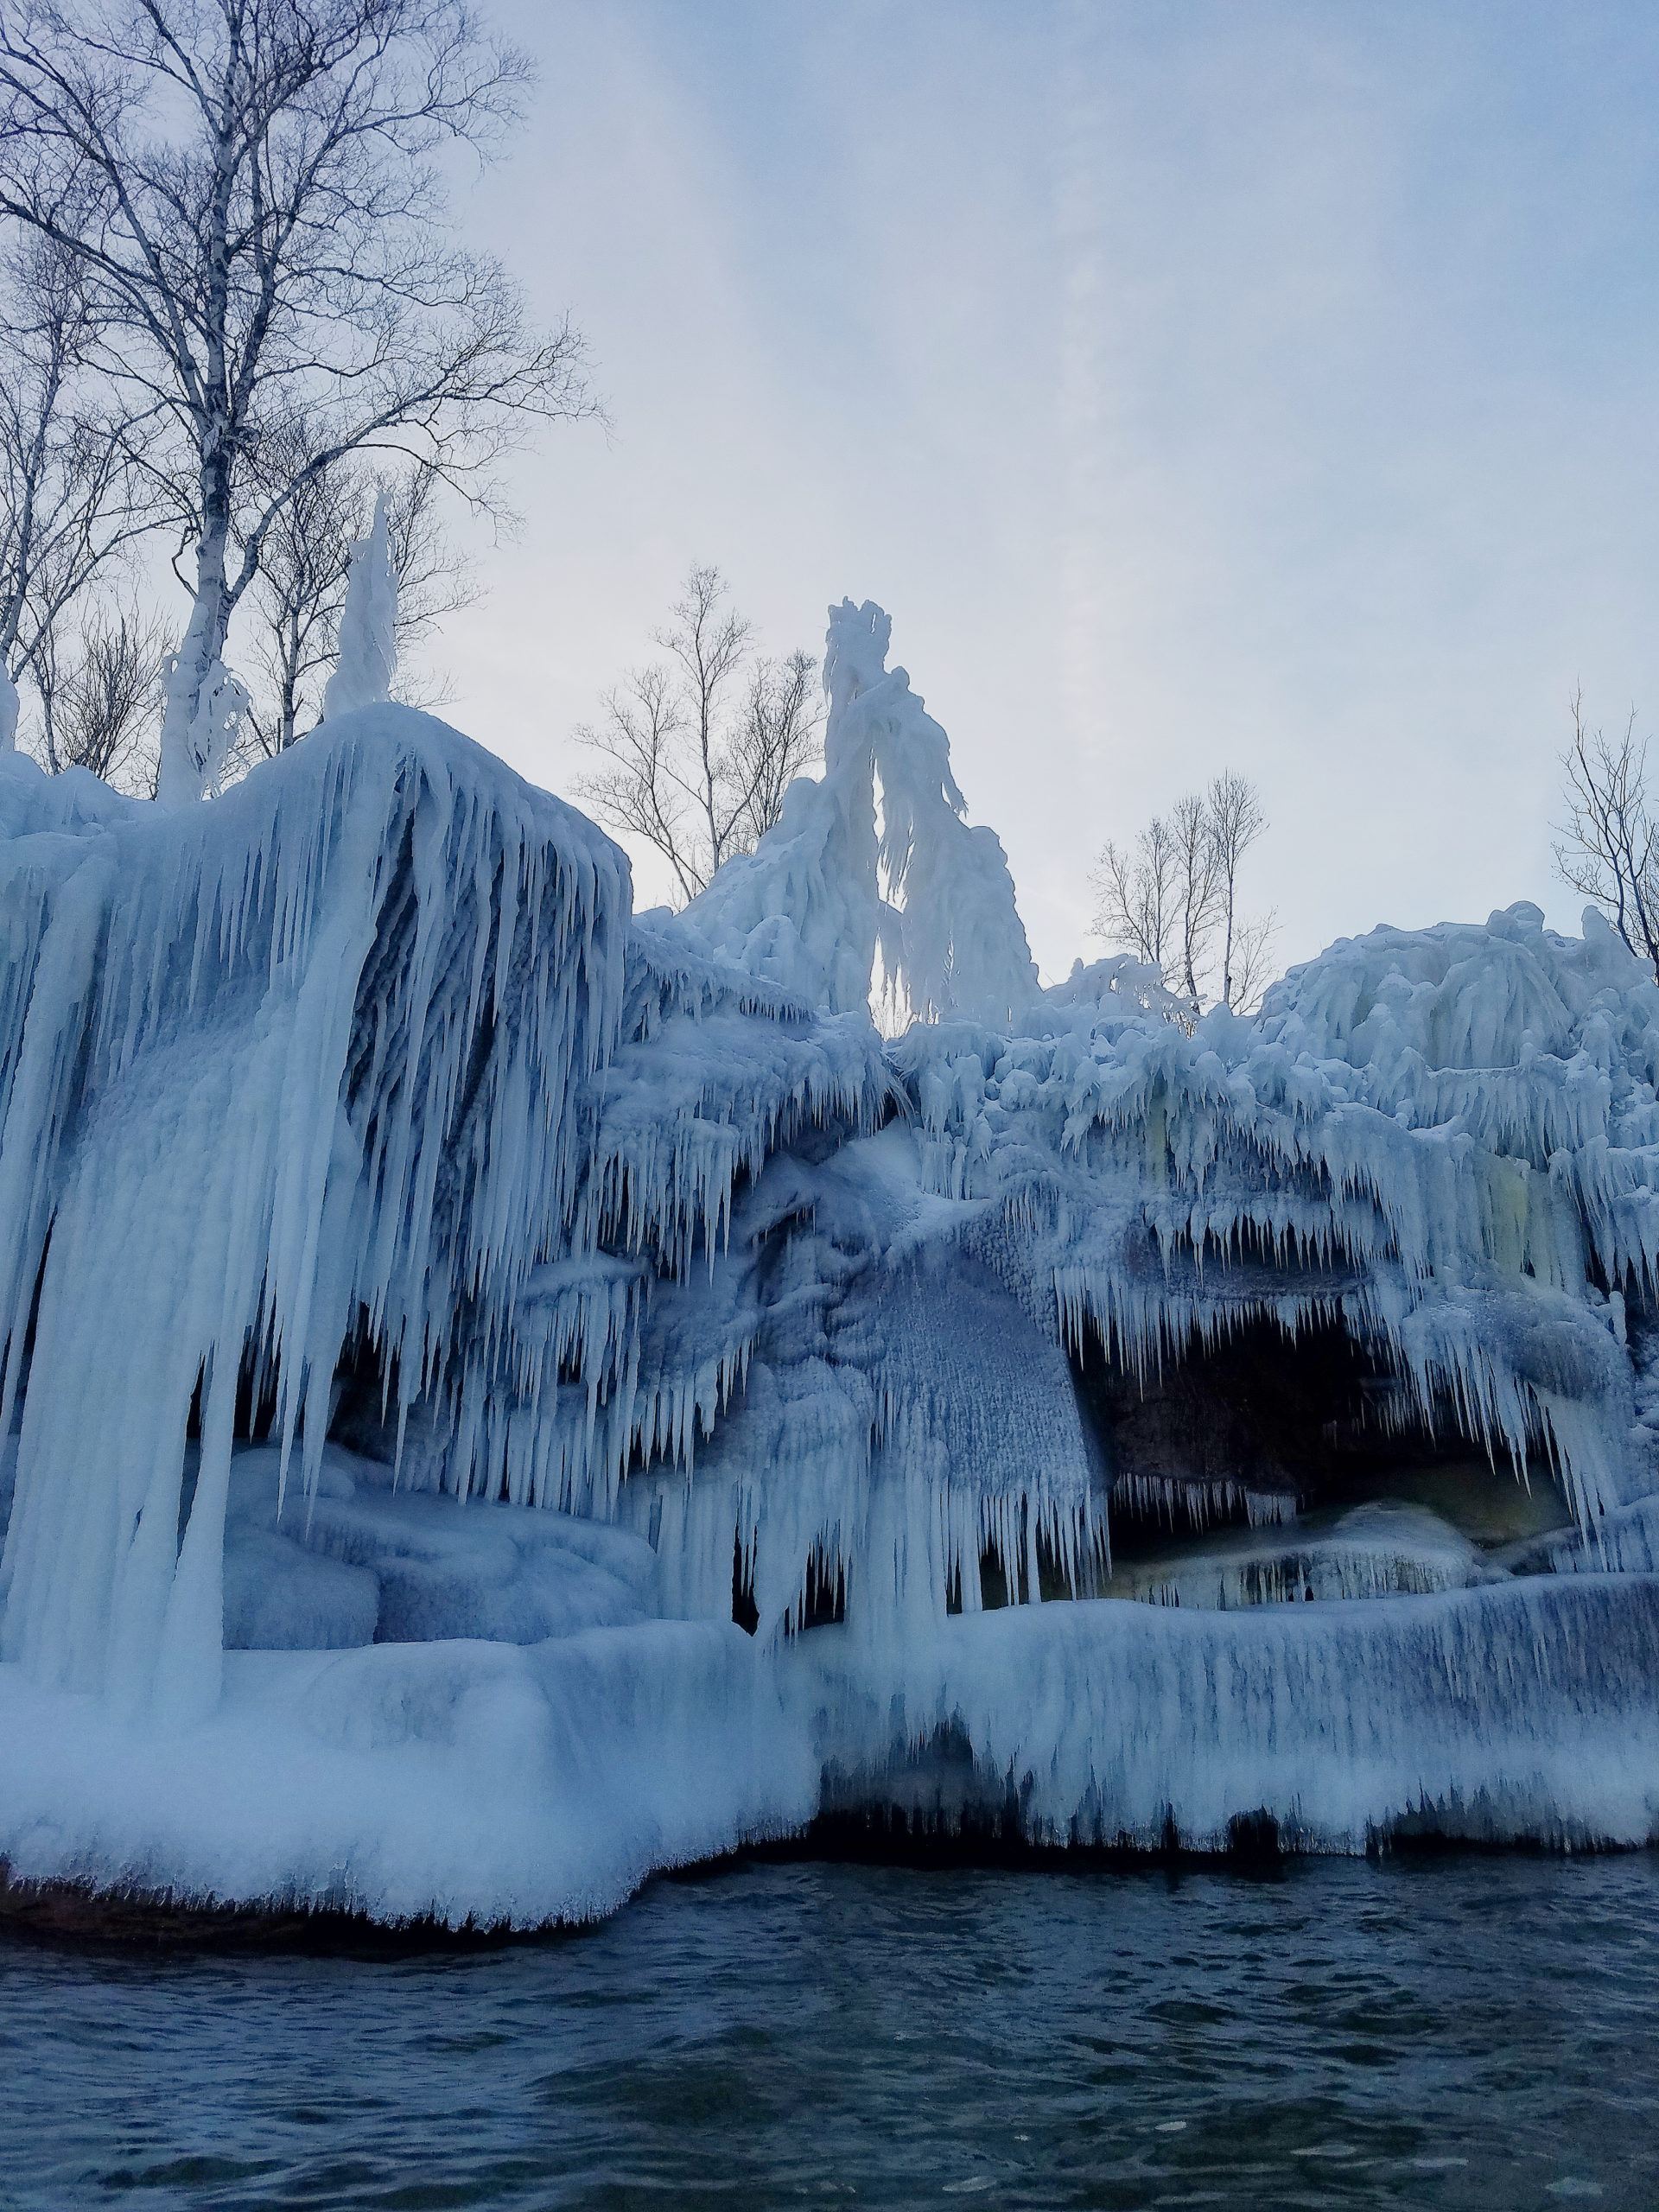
{"points": [[777, 739], [301, 588], [294, 606], [103, 712], [1136, 888], [1166, 897], [1608, 847], [709, 644], [65, 487], [1252, 961], [252, 191], [681, 770], [435, 577], [1236, 821], [638, 791], [1196, 882]]}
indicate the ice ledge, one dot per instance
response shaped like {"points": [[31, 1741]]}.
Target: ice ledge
{"points": [[460, 1782], [1514, 1712], [464, 1781]]}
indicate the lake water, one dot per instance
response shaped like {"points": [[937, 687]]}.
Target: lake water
{"points": [[1458, 2032]]}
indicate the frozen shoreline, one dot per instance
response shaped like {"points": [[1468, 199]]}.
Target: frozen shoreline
{"points": [[458, 1782]]}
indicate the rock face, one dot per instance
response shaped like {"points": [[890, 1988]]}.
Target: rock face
{"points": [[503, 1393]]}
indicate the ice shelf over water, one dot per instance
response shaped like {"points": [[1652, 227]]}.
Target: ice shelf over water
{"points": [[501, 1394]]}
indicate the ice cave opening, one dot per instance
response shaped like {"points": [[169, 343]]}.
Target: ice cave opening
{"points": [[1245, 1469]]}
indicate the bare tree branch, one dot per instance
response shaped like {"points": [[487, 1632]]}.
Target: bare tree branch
{"points": [[1136, 888], [776, 741], [1608, 847], [640, 733], [1236, 822], [1196, 884], [1252, 961], [709, 646], [696, 780], [252, 194], [1166, 897], [300, 591], [103, 712], [68, 499]]}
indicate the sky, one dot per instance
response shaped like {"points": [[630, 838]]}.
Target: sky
{"points": [[1265, 386]]}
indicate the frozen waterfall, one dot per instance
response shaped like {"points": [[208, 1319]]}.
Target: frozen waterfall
{"points": [[500, 1394]]}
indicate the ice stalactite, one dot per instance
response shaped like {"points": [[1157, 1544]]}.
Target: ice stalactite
{"points": [[1518, 1708], [1353, 1159], [310, 1051], [926, 1428], [1194, 1502], [1350, 1155]]}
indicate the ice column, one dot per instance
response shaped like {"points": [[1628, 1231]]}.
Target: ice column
{"points": [[368, 625]]}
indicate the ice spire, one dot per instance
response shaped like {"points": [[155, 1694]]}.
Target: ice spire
{"points": [[952, 941], [807, 907], [368, 625], [8, 711]]}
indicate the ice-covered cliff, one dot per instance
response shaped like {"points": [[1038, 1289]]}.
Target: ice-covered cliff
{"points": [[503, 1393]]}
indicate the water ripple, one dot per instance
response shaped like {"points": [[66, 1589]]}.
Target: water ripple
{"points": [[1460, 2033]]}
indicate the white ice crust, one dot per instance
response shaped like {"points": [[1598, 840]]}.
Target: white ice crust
{"points": [[439, 1306], [367, 654]]}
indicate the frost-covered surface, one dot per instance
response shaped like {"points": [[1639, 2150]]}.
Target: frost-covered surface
{"points": [[465, 1778], [197, 740], [504, 1392], [358, 1563], [1522, 1711], [366, 659]]}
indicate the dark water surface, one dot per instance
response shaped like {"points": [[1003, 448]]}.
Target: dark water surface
{"points": [[1457, 2032]]}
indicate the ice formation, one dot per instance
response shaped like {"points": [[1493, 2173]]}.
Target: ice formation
{"points": [[197, 740], [502, 1393], [367, 655]]}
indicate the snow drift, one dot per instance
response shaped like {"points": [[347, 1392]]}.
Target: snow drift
{"points": [[502, 1393]]}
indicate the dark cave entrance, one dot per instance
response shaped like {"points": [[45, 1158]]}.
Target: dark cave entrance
{"points": [[1265, 1427]]}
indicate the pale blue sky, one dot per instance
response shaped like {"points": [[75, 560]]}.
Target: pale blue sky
{"points": [[1264, 385]]}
